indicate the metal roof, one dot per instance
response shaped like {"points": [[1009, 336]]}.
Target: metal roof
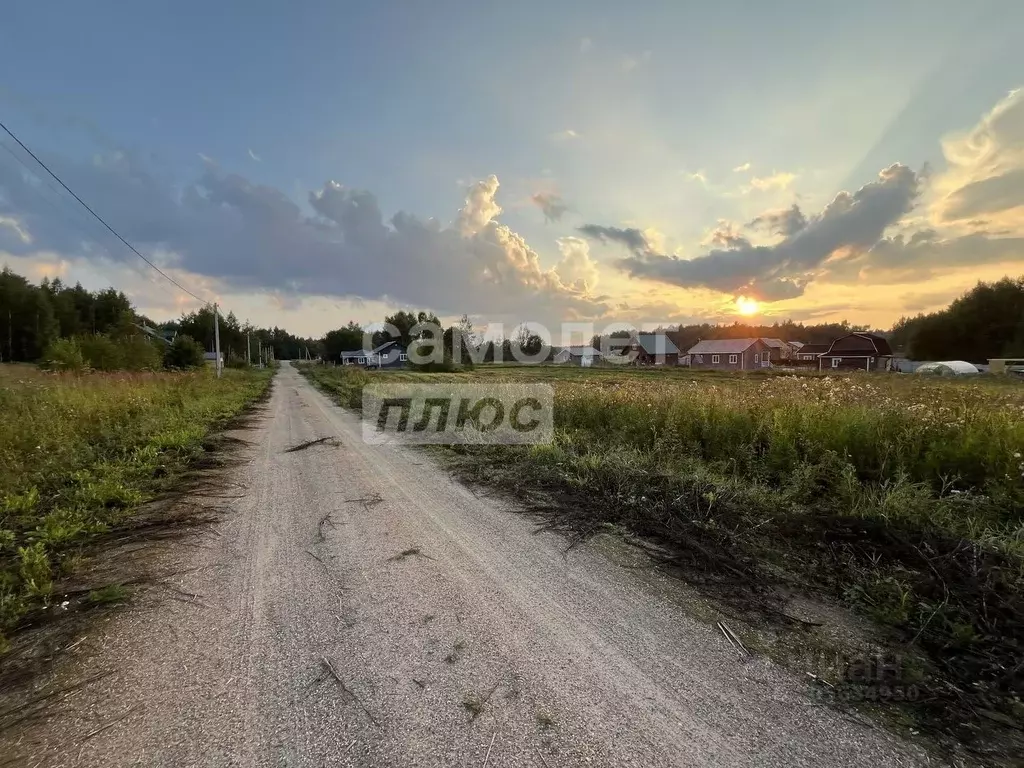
{"points": [[657, 344], [777, 343], [721, 346], [382, 347], [813, 349]]}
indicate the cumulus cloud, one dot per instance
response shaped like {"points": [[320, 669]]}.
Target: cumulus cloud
{"points": [[850, 223], [480, 207], [741, 168], [984, 181], [253, 237], [779, 180], [576, 267], [552, 205], [785, 221]]}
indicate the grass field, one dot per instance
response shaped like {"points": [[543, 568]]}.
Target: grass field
{"points": [[78, 454], [901, 495]]}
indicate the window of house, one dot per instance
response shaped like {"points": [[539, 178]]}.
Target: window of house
{"points": [[362, 361], [714, 358], [700, 358], [757, 358], [403, 357], [836, 361], [732, 359]]}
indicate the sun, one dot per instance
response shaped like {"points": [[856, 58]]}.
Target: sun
{"points": [[747, 306]]}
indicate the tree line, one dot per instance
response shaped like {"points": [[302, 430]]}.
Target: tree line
{"points": [[75, 327], [985, 322]]}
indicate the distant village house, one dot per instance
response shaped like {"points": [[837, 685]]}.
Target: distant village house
{"points": [[654, 348], [582, 356], [390, 354], [732, 354], [857, 351]]}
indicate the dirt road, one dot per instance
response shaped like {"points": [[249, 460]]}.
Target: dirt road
{"points": [[303, 636]]}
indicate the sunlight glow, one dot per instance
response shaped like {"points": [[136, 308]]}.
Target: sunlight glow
{"points": [[747, 306]]}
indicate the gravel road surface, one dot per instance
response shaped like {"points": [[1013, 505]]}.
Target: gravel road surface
{"points": [[301, 635]]}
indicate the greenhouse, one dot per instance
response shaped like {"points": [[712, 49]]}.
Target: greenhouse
{"points": [[948, 368]]}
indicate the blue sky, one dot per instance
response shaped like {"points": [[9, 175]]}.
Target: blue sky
{"points": [[681, 121]]}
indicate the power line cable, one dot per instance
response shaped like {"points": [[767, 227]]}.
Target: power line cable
{"points": [[98, 217], [43, 182]]}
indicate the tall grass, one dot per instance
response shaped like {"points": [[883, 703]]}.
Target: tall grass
{"points": [[79, 453], [904, 496]]}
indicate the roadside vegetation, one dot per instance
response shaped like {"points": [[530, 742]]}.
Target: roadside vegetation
{"points": [[80, 453], [902, 496]]}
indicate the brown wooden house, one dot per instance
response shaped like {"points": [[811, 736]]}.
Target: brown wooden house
{"points": [[808, 354], [654, 349], [858, 352], [730, 354]]}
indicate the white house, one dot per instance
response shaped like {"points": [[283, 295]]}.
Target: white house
{"points": [[582, 356]]}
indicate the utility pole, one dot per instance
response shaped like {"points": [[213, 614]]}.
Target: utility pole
{"points": [[248, 361], [216, 339], [259, 350]]}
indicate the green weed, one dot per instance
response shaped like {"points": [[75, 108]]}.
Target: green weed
{"points": [[79, 453]]}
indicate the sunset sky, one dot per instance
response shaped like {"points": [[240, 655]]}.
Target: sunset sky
{"points": [[310, 163]]}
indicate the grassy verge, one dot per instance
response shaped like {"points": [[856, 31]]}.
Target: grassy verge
{"points": [[78, 454], [902, 497]]}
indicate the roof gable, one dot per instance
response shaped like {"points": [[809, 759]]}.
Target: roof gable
{"points": [[860, 343], [656, 343], [722, 346]]}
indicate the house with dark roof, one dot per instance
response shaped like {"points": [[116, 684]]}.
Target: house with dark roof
{"points": [[730, 354], [583, 356], [857, 352], [390, 354], [654, 348], [778, 349], [808, 353]]}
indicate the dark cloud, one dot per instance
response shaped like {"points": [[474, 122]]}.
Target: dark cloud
{"points": [[552, 205], [852, 222], [991, 195], [254, 237], [633, 239], [726, 235], [785, 222]]}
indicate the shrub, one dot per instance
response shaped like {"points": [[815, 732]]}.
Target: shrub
{"points": [[64, 355], [141, 353], [184, 352], [101, 353]]}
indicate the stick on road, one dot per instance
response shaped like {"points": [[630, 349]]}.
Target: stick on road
{"points": [[361, 608]]}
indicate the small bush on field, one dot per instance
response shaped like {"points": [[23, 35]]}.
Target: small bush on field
{"points": [[64, 355], [184, 353], [79, 453], [101, 353]]}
